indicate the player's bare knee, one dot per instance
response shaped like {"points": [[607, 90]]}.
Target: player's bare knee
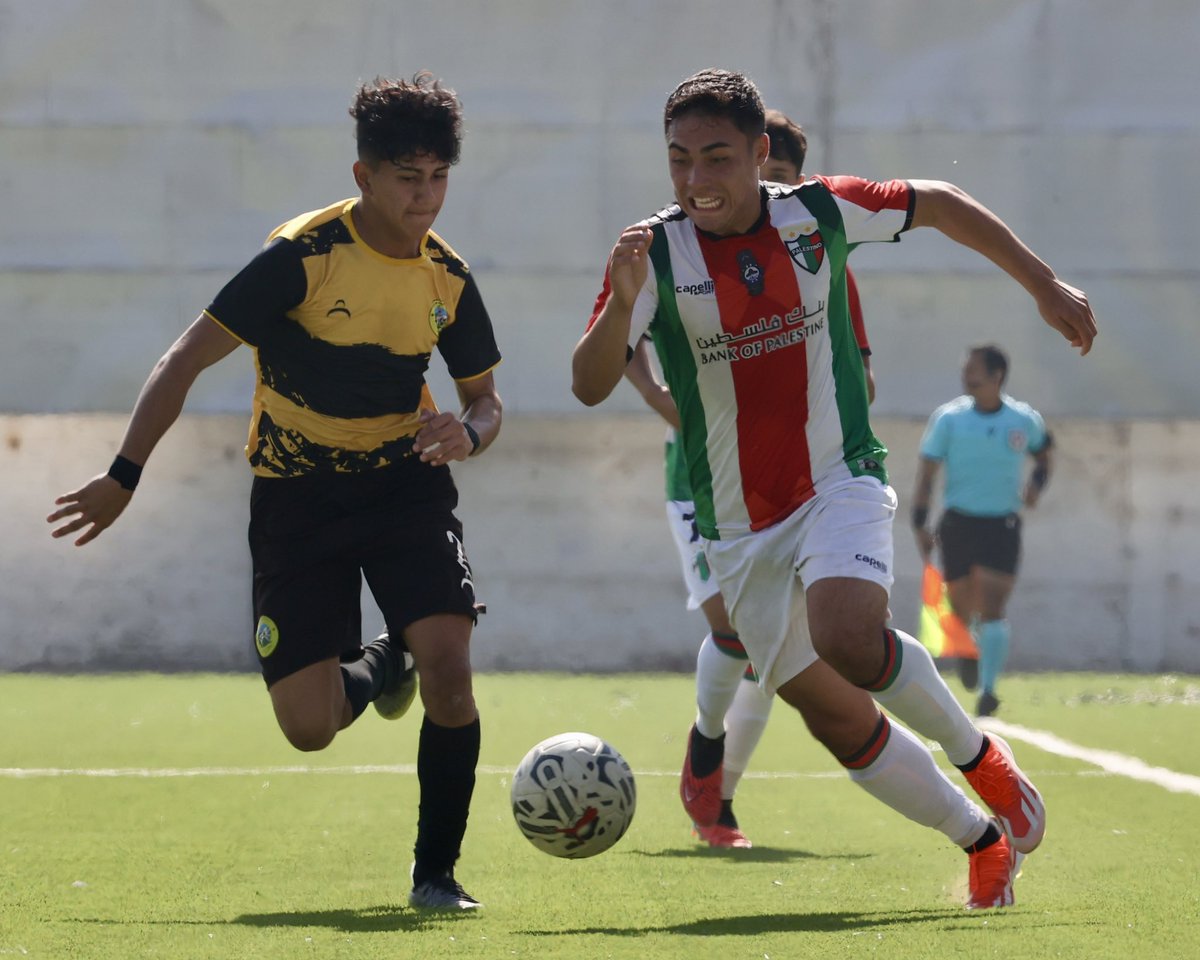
{"points": [[308, 734]]}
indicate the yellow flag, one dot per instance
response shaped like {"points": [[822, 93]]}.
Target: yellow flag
{"points": [[941, 631]]}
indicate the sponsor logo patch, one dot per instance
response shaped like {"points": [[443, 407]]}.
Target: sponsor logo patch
{"points": [[266, 637], [339, 307], [871, 562], [805, 246], [752, 273], [439, 317], [704, 288]]}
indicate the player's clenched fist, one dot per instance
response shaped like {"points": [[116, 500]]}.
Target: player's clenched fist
{"points": [[628, 264]]}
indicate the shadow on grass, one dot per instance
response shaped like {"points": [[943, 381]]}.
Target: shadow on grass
{"points": [[362, 920], [381, 919], [758, 924], [755, 854]]}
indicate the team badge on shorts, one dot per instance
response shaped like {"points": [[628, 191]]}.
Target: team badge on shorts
{"points": [[266, 637], [439, 317], [805, 245]]}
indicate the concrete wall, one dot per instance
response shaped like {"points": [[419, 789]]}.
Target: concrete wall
{"points": [[148, 146], [566, 532]]}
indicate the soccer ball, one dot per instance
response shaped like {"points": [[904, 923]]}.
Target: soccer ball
{"points": [[573, 795]]}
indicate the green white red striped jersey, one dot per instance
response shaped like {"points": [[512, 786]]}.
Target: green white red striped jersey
{"points": [[754, 337]]}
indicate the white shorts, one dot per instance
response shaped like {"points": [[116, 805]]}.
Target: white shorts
{"points": [[844, 531], [700, 583]]}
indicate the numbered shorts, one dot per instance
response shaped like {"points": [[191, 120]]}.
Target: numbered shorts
{"points": [[697, 577], [844, 531], [968, 541], [314, 539]]}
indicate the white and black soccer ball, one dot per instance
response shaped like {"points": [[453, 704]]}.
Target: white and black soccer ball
{"points": [[573, 795]]}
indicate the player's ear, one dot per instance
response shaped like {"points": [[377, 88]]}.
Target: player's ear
{"points": [[762, 150], [362, 176]]}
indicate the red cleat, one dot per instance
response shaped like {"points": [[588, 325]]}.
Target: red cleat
{"points": [[701, 796], [1013, 799], [719, 835], [992, 873]]}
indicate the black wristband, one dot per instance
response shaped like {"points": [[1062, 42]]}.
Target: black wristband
{"points": [[125, 472], [919, 516], [473, 436]]}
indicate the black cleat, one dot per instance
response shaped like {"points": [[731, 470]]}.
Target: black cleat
{"points": [[988, 704], [442, 893], [400, 679], [968, 672]]}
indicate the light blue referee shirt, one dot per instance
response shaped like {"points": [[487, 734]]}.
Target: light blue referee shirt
{"points": [[983, 453]]}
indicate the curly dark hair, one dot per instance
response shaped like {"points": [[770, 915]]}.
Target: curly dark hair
{"points": [[718, 93], [788, 142], [402, 118]]}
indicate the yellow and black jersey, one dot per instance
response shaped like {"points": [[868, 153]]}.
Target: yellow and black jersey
{"points": [[342, 337]]}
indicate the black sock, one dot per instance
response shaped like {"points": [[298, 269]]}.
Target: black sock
{"points": [[727, 819], [983, 749], [363, 678], [990, 835], [707, 754], [446, 761]]}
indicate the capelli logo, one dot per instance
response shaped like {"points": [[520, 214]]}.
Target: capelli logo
{"points": [[871, 562], [702, 289]]}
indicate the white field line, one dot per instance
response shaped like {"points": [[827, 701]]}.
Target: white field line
{"points": [[1116, 764], [1109, 761], [404, 769]]}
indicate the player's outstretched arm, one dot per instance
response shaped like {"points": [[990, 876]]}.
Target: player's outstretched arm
{"points": [[599, 358], [97, 504], [640, 373], [965, 220]]}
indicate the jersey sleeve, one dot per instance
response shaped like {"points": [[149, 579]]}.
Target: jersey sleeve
{"points": [[856, 315], [935, 441], [261, 293], [872, 211], [468, 344], [644, 308]]}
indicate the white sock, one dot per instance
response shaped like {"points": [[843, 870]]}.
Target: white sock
{"points": [[717, 678], [918, 696], [745, 722], [906, 778]]}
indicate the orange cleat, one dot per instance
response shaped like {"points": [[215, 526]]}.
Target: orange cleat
{"points": [[992, 873], [1013, 799], [719, 835], [701, 796]]}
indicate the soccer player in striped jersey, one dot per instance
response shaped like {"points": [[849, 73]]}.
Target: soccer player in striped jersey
{"points": [[343, 308], [983, 438], [741, 286], [732, 709]]}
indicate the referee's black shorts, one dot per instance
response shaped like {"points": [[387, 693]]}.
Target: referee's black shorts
{"points": [[313, 539], [968, 541]]}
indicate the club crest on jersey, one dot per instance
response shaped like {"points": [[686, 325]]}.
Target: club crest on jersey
{"points": [[439, 316], [752, 274], [805, 245], [1017, 440]]}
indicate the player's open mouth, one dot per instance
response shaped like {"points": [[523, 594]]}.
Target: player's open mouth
{"points": [[707, 203]]}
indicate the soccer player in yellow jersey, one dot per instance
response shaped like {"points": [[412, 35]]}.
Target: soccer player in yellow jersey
{"points": [[343, 308]]}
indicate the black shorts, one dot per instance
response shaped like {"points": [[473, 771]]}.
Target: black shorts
{"points": [[967, 541], [313, 539]]}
